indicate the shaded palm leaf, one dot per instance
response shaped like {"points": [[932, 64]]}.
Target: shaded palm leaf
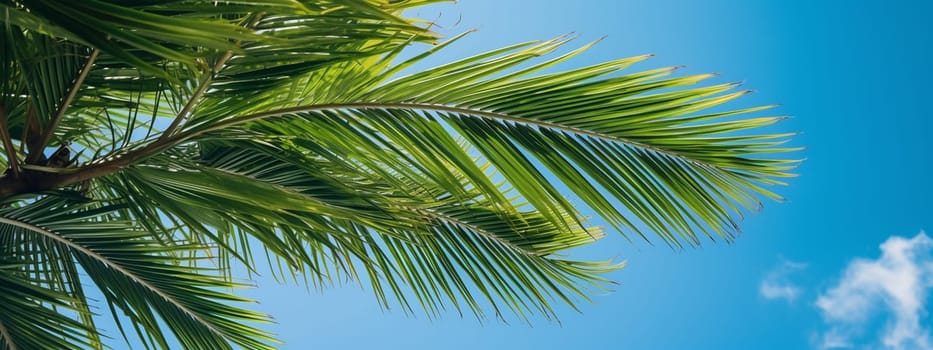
{"points": [[136, 274]]}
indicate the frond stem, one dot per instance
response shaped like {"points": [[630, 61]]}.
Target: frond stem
{"points": [[205, 83], [196, 97], [111, 164], [72, 93], [432, 107]]}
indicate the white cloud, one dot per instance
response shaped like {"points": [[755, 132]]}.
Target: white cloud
{"points": [[834, 340], [771, 290], [896, 285], [776, 285]]}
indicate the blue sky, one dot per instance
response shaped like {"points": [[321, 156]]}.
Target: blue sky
{"points": [[810, 273]]}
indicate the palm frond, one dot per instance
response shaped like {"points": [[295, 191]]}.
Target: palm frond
{"points": [[209, 133], [35, 316], [640, 139], [137, 275], [638, 148]]}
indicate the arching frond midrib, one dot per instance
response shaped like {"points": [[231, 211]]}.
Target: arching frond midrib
{"points": [[229, 122]]}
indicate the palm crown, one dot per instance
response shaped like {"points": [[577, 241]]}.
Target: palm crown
{"points": [[152, 148]]}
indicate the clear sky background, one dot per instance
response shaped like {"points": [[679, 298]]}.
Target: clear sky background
{"points": [[806, 274]]}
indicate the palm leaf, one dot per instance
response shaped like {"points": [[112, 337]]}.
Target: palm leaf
{"points": [[137, 275], [34, 315], [214, 132], [678, 170]]}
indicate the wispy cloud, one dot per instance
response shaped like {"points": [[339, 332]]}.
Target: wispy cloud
{"points": [[777, 285], [834, 339], [894, 286]]}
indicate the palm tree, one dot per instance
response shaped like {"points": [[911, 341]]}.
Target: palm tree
{"points": [[154, 148]]}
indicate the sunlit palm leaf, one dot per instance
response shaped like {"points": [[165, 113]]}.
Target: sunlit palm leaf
{"points": [[676, 169]]}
